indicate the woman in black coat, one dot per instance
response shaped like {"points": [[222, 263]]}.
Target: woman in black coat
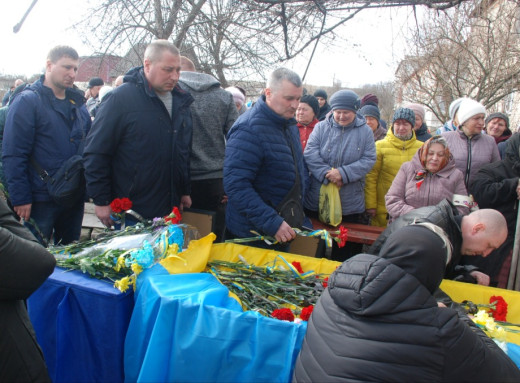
{"points": [[25, 265], [495, 186], [378, 321]]}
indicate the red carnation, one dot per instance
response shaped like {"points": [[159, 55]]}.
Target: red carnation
{"points": [[500, 310], [325, 282], [298, 267], [116, 205], [306, 313], [342, 236], [174, 217], [126, 204], [283, 314]]}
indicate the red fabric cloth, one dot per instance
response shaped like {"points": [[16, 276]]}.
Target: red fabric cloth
{"points": [[305, 131]]}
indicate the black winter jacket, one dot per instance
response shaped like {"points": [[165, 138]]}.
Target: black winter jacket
{"points": [[494, 187], [25, 266], [445, 215], [136, 150], [376, 323]]}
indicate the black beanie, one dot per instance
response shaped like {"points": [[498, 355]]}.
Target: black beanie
{"points": [[370, 110], [312, 102], [321, 93]]}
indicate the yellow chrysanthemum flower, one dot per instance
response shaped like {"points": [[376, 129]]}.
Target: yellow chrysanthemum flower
{"points": [[136, 268], [122, 284], [120, 263]]}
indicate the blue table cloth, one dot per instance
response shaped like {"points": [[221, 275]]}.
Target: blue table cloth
{"points": [[185, 327], [81, 325]]}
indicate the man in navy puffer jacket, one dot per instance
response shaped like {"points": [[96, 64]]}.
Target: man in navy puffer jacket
{"points": [[49, 122], [259, 169], [139, 146]]}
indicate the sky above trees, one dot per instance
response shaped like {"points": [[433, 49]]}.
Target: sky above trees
{"points": [[369, 52]]}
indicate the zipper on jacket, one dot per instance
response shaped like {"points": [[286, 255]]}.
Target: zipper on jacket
{"points": [[468, 164]]}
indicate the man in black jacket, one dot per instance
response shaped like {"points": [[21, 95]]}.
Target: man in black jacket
{"points": [[496, 186], [25, 266], [478, 233], [139, 145], [379, 321]]}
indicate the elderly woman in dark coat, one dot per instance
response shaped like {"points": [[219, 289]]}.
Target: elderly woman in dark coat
{"points": [[378, 321], [496, 187]]}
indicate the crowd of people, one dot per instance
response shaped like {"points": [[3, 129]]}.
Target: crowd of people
{"points": [[166, 135]]}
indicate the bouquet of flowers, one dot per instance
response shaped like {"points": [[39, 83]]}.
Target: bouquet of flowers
{"points": [[121, 255], [280, 290]]}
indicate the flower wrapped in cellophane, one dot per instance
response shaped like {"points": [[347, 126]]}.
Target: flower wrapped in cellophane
{"points": [[121, 255]]}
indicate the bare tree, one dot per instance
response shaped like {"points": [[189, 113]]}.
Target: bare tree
{"points": [[469, 51], [227, 37], [386, 95]]}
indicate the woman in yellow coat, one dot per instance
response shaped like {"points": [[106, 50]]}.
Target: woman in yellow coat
{"points": [[399, 146]]}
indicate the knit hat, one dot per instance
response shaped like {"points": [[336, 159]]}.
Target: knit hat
{"points": [[404, 114], [469, 108], [418, 110], [321, 93], [345, 99], [95, 81], [454, 107], [370, 99], [370, 110], [312, 102], [503, 116], [238, 96]]}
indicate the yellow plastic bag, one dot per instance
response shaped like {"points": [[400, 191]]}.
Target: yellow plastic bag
{"points": [[330, 205]]}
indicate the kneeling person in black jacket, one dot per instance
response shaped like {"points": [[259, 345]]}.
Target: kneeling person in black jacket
{"points": [[25, 266], [378, 321]]}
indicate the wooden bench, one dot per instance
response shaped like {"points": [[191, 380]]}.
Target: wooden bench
{"points": [[357, 232]]}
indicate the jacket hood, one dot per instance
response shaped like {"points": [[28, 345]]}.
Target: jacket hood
{"points": [[136, 76], [368, 285], [198, 81], [271, 115], [74, 93]]}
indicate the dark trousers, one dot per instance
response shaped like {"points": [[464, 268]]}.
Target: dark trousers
{"points": [[208, 195], [63, 223]]}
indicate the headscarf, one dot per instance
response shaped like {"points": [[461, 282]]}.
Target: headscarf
{"points": [[421, 174]]}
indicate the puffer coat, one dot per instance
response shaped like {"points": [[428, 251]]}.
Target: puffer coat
{"points": [[404, 195], [494, 187], [391, 154], [351, 150], [471, 153], [377, 323], [259, 169], [25, 266]]}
